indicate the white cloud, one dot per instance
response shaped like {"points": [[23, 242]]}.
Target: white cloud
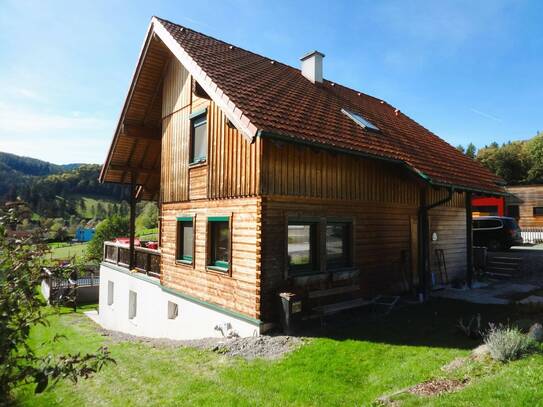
{"points": [[15, 119], [29, 95], [486, 115], [59, 138]]}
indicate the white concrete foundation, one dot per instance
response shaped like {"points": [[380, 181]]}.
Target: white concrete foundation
{"points": [[154, 310]]}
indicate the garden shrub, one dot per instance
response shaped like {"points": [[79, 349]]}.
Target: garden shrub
{"points": [[507, 343]]}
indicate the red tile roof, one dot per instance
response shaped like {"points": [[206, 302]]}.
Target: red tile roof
{"points": [[277, 99]]}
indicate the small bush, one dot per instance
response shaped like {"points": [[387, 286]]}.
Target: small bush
{"points": [[507, 343]]}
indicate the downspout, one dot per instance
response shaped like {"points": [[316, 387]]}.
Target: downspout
{"points": [[424, 241], [469, 240]]}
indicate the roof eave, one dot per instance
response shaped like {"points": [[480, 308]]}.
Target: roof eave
{"points": [[232, 112], [127, 100]]}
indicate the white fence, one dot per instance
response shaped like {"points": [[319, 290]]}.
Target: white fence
{"points": [[532, 235]]}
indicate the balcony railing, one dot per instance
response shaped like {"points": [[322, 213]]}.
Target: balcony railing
{"points": [[147, 261]]}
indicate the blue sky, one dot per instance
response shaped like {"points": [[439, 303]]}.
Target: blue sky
{"points": [[467, 70]]}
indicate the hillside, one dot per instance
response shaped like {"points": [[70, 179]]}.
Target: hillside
{"points": [[57, 191]]}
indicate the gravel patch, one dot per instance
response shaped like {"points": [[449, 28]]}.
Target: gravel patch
{"points": [[438, 386], [263, 347]]}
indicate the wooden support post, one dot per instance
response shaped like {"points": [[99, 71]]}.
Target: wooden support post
{"points": [[424, 277], [132, 226], [469, 241]]}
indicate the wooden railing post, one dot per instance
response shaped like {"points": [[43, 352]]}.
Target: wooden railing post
{"points": [[132, 257]]}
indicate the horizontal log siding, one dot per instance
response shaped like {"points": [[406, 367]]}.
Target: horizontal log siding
{"points": [[198, 182], [238, 292], [295, 170], [381, 232], [527, 197], [450, 226]]}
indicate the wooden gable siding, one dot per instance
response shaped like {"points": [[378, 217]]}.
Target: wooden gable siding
{"points": [[527, 197], [175, 133], [295, 170], [239, 291], [234, 163], [232, 168]]}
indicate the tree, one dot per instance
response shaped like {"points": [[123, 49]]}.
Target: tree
{"points": [[109, 228], [148, 218], [508, 161], [471, 150], [21, 309], [100, 211], [58, 230], [534, 154]]}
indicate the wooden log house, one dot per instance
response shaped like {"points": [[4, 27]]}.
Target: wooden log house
{"points": [[269, 179]]}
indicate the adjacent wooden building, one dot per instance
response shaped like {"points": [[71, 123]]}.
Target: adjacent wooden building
{"points": [[273, 179]]}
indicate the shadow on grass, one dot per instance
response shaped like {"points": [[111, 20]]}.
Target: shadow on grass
{"points": [[434, 324]]}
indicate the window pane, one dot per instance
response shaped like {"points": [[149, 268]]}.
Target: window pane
{"points": [[187, 240], [199, 140], [336, 244], [220, 236], [538, 210], [300, 245]]}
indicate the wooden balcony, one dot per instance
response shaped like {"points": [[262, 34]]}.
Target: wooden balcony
{"points": [[146, 261]]}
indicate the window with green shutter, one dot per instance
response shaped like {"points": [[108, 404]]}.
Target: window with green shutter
{"points": [[219, 243], [185, 240]]}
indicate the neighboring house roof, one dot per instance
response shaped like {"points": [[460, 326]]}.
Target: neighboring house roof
{"points": [[266, 98]]}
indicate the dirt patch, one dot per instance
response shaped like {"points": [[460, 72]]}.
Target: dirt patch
{"points": [[264, 347], [438, 386]]}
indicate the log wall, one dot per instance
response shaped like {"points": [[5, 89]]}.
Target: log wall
{"points": [[527, 197], [238, 290]]}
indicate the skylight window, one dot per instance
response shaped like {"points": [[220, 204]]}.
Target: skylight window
{"points": [[358, 119]]}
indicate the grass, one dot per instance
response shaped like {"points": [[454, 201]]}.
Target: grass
{"points": [[66, 251], [350, 363], [147, 234], [90, 204]]}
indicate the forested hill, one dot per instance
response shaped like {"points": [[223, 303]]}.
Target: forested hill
{"points": [[32, 166], [52, 190]]}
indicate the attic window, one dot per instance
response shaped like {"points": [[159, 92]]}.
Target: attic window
{"points": [[358, 119]]}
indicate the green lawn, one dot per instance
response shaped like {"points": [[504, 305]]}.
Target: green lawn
{"points": [[350, 363], [147, 234], [89, 209], [66, 251]]}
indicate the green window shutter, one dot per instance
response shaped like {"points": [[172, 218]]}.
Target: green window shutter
{"points": [[218, 219], [197, 113]]}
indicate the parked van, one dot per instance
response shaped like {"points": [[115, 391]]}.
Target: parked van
{"points": [[496, 232]]}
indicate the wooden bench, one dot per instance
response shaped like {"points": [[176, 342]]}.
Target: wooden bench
{"points": [[319, 310], [325, 310]]}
